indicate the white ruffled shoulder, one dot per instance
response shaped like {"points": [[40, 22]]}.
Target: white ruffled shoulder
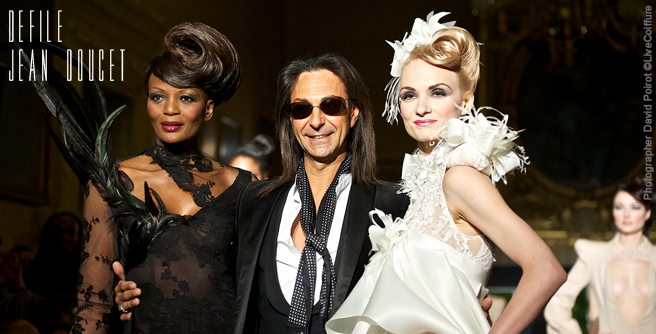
{"points": [[467, 155], [492, 138], [485, 143]]}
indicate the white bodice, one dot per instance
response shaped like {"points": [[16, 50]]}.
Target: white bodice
{"points": [[485, 144], [428, 212]]}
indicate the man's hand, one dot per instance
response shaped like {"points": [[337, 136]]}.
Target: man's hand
{"points": [[486, 305], [126, 292]]}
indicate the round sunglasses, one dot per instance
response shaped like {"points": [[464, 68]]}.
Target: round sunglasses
{"points": [[331, 106]]}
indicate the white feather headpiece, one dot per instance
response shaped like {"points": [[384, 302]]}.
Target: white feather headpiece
{"points": [[421, 34]]}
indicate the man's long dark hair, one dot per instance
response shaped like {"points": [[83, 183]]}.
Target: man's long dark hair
{"points": [[361, 137]]}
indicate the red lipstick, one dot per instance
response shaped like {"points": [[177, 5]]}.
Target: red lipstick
{"points": [[171, 126]]}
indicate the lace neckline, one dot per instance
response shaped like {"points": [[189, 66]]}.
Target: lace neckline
{"points": [[189, 160], [180, 167]]}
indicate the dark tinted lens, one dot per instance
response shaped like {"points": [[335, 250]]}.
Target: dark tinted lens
{"points": [[332, 106], [301, 110]]}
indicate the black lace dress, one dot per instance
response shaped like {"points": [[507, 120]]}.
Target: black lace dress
{"points": [[187, 277]]}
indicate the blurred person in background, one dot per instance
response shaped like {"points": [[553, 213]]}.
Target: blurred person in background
{"points": [[17, 326], [41, 289], [254, 156], [18, 302], [59, 251], [12, 267], [620, 273]]}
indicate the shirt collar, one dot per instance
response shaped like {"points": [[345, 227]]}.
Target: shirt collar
{"points": [[344, 183], [643, 249]]}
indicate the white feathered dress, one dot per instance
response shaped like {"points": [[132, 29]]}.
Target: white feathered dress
{"points": [[427, 276]]}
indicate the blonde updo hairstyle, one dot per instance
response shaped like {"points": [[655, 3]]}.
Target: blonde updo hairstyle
{"points": [[453, 49]]}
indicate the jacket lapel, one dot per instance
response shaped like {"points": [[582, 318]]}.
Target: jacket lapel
{"points": [[268, 259], [253, 217], [354, 244]]}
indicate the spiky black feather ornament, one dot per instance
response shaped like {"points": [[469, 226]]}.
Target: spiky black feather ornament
{"points": [[86, 147]]}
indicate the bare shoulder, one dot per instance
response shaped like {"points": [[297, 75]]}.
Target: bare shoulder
{"points": [[224, 173], [464, 180], [471, 197], [137, 163], [140, 169]]}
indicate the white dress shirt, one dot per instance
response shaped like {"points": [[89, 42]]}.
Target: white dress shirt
{"points": [[288, 257]]}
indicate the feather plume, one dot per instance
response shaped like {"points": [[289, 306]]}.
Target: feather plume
{"points": [[86, 147]]}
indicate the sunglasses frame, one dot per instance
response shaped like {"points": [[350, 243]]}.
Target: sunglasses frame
{"points": [[345, 106]]}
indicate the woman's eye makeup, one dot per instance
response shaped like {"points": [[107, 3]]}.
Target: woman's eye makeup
{"points": [[407, 95], [155, 96], [188, 98], [184, 98], [633, 207], [438, 92]]}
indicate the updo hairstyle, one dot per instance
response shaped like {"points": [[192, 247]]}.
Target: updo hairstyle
{"points": [[258, 149], [197, 55], [454, 49], [636, 188]]}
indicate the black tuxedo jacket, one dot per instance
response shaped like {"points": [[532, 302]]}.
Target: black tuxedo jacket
{"points": [[255, 214]]}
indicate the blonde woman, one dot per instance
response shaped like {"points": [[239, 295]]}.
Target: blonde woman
{"points": [[431, 267]]}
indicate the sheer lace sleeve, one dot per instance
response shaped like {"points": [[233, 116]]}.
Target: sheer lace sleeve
{"points": [[466, 155], [95, 293]]}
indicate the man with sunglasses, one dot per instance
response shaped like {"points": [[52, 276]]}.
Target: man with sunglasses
{"points": [[303, 238]]}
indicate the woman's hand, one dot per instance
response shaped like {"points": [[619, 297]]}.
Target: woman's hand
{"points": [[126, 292]]}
